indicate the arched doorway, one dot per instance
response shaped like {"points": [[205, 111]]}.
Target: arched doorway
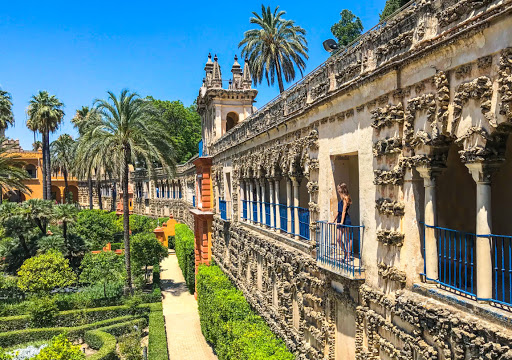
{"points": [[231, 120], [73, 191], [56, 194]]}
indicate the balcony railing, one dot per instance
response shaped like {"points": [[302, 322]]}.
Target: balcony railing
{"points": [[244, 209], [339, 248], [223, 209], [456, 259], [502, 265], [304, 223], [193, 201], [267, 219], [283, 215]]}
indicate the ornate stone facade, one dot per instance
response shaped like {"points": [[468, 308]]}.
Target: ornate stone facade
{"points": [[423, 96]]}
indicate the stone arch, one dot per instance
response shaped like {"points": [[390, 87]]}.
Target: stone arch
{"points": [[73, 190], [55, 193], [232, 119]]}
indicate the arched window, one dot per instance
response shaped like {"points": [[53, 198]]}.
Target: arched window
{"points": [[31, 170], [231, 120]]}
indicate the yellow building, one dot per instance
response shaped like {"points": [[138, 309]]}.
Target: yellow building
{"points": [[32, 162]]}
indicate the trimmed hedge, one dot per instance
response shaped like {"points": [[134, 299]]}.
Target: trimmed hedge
{"points": [[229, 323], [73, 318], [157, 342], [185, 254], [104, 342], [122, 328], [12, 338]]}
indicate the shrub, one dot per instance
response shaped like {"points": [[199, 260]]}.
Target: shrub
{"points": [[121, 328], [229, 323], [4, 355], [75, 317], [103, 268], [43, 312], [157, 343], [146, 250], [185, 254], [129, 346], [11, 338], [60, 348], [96, 227], [45, 272], [116, 246], [103, 342]]}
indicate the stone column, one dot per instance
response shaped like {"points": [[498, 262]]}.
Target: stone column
{"points": [[295, 215], [278, 214], [251, 199], [431, 253], [263, 200], [272, 202], [481, 173], [288, 205], [241, 191], [258, 199]]}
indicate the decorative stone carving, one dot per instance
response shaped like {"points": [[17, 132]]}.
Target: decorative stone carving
{"points": [[463, 71], [479, 89], [389, 207], [387, 146], [459, 10], [443, 99], [505, 82], [391, 177], [390, 237], [387, 116], [392, 273], [424, 102]]}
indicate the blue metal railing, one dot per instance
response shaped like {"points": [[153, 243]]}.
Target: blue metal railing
{"points": [[193, 200], [304, 223], [254, 211], [223, 209], [456, 257], [339, 247], [283, 215], [157, 192], [266, 207], [501, 249], [244, 209]]}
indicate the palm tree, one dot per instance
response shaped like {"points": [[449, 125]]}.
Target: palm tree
{"points": [[62, 155], [6, 116], [65, 214], [275, 48], [44, 115], [130, 130], [83, 120], [12, 174]]}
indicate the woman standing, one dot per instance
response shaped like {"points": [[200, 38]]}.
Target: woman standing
{"points": [[342, 219]]}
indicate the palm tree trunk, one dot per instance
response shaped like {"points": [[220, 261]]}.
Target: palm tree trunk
{"points": [[89, 183], [114, 196], [98, 190], [43, 167], [65, 235], [66, 187], [48, 167], [126, 222], [279, 75]]}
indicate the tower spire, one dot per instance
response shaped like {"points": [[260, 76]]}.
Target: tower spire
{"points": [[236, 69], [208, 68], [246, 77], [216, 76]]}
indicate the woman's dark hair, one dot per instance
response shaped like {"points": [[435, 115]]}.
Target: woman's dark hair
{"points": [[343, 190]]}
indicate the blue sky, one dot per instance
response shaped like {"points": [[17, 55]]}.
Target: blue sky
{"points": [[79, 50]]}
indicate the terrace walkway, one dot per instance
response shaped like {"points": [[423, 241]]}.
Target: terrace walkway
{"points": [[184, 338]]}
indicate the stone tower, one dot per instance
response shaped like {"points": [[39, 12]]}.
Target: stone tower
{"points": [[222, 109]]}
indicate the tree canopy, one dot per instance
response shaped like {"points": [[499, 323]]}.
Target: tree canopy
{"points": [[348, 28], [184, 126], [392, 6]]}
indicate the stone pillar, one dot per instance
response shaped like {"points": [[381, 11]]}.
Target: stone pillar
{"points": [[258, 199], [278, 214], [288, 205], [431, 253], [251, 200], [481, 173], [263, 200], [295, 215], [272, 202], [242, 198]]}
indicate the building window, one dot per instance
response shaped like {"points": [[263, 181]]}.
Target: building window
{"points": [[31, 170]]}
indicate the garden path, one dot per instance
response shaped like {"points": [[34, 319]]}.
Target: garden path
{"points": [[184, 338]]}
